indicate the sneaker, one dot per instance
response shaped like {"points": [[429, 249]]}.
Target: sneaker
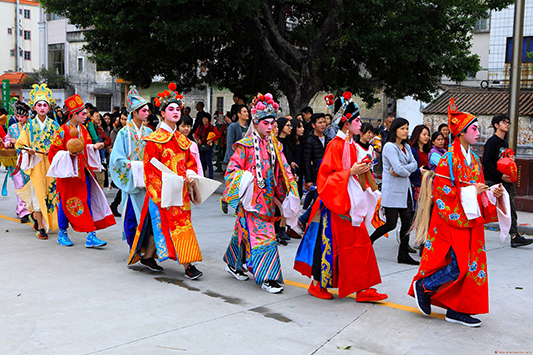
{"points": [[280, 241], [423, 298], [238, 274], [224, 206], [293, 234], [41, 234], [93, 242], [192, 272], [63, 238], [319, 292], [25, 219], [34, 222], [519, 241], [150, 264], [370, 295], [462, 318], [271, 286]]}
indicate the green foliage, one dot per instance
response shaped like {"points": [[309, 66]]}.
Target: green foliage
{"points": [[43, 75], [296, 47]]}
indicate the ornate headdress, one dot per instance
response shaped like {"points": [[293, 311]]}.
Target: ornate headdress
{"points": [[41, 93], [169, 96], [21, 108], [135, 100], [344, 108], [458, 121], [74, 104], [264, 107]]}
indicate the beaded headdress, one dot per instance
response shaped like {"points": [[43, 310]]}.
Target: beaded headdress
{"points": [[169, 96], [344, 108], [41, 93], [21, 108], [264, 107]]}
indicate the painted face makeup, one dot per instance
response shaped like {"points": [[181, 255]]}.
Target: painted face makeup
{"points": [[472, 133], [143, 113], [22, 119], [173, 113], [80, 117], [264, 127], [42, 108], [354, 126]]}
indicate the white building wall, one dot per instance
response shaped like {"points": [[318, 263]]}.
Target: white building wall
{"points": [[8, 41]]}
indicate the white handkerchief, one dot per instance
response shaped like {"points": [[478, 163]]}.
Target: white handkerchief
{"points": [[290, 208], [203, 187], [504, 217], [138, 173], [63, 165], [246, 191], [93, 158], [469, 202], [29, 161]]}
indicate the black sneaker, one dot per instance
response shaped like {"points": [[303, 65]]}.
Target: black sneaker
{"points": [[25, 219], [280, 241], [423, 299], [272, 286], [238, 274], [192, 272], [462, 318], [150, 264], [224, 206], [519, 241]]}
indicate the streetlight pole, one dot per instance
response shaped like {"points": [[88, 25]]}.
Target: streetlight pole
{"points": [[516, 69]]}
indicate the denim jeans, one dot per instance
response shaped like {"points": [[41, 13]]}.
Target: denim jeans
{"points": [[207, 162], [448, 273]]}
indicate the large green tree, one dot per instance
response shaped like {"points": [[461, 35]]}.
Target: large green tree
{"points": [[295, 47]]}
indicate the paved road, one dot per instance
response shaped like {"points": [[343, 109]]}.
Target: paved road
{"points": [[57, 300]]}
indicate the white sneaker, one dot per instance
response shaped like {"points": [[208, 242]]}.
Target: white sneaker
{"points": [[238, 274], [272, 286]]}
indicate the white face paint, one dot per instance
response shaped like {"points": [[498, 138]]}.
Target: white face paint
{"points": [[264, 127], [354, 126], [172, 113], [472, 133], [42, 108]]}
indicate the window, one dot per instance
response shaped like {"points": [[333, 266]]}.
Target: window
{"points": [[27, 14], [56, 58], [52, 17], [27, 55], [9, 31], [527, 46], [20, 11], [21, 53], [12, 52], [27, 34], [80, 63], [220, 104], [21, 33], [103, 103], [482, 25]]}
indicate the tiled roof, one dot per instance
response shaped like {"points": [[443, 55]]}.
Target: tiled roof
{"points": [[481, 102], [15, 78]]}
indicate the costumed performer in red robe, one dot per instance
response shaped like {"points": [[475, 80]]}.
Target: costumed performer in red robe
{"points": [[73, 160], [336, 249], [453, 270], [165, 228]]}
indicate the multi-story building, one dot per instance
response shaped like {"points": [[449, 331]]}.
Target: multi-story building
{"points": [[19, 35]]}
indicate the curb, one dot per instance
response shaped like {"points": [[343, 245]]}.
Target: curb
{"points": [[521, 229]]}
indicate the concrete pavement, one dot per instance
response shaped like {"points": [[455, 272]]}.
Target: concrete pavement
{"points": [[58, 300]]}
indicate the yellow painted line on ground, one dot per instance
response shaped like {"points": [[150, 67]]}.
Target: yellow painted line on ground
{"points": [[11, 219], [380, 303]]}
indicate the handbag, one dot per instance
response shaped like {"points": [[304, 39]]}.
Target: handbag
{"points": [[204, 147]]}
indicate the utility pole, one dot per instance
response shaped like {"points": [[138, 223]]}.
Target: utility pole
{"points": [[516, 71], [17, 30]]}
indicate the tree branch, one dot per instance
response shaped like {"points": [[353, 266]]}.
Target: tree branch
{"points": [[276, 35], [327, 26]]}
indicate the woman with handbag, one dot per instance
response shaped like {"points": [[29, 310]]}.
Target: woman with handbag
{"points": [[206, 135]]}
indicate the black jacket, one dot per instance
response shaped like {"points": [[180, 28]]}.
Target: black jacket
{"points": [[491, 154], [313, 154]]}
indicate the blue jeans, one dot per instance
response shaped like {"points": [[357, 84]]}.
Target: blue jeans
{"points": [[207, 162], [448, 273]]}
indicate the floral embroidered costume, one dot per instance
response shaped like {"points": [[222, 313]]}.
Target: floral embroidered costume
{"points": [[453, 269], [19, 178], [126, 167], [336, 249], [256, 176], [83, 204], [40, 195], [166, 212]]}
